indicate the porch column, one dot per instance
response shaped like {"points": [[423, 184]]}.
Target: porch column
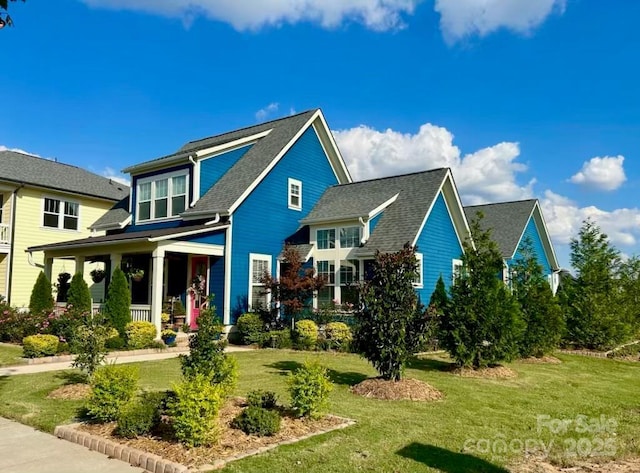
{"points": [[79, 264], [156, 287], [48, 266], [116, 259]]}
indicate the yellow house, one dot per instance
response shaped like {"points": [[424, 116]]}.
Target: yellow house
{"points": [[44, 201]]}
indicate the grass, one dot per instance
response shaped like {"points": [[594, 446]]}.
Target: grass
{"points": [[401, 435], [10, 354]]}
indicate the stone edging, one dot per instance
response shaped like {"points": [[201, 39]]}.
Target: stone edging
{"points": [[156, 464], [110, 356]]}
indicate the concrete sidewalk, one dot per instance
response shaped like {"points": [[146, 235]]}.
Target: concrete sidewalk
{"points": [[26, 450]]}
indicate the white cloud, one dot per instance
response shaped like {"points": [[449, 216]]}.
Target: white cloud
{"points": [[378, 15], [266, 112], [460, 19], [487, 175], [605, 174], [116, 176], [18, 150]]}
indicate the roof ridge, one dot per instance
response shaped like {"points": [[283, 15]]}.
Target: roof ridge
{"points": [[392, 177], [49, 160], [501, 203], [245, 128]]}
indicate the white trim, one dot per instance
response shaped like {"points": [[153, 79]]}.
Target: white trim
{"points": [[229, 146], [455, 264], [228, 242], [328, 136], [112, 226], [420, 283], [545, 239], [61, 213], [257, 257], [204, 249], [383, 206], [186, 233], [151, 180], [554, 260], [290, 183]]}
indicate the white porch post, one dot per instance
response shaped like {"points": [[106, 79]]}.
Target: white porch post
{"points": [[156, 287], [116, 259], [79, 264], [48, 266]]}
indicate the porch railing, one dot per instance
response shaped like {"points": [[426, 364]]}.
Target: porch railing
{"points": [[139, 312], [4, 234]]}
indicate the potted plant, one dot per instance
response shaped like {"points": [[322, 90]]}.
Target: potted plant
{"points": [[136, 274], [168, 336], [164, 318], [97, 275], [179, 312]]}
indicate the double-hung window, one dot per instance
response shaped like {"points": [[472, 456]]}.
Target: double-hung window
{"points": [[295, 194], [349, 277], [326, 239], [327, 271], [259, 266], [162, 197], [349, 237], [417, 282], [60, 214]]}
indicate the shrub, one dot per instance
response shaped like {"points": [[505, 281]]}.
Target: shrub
{"points": [[250, 328], [118, 302], [338, 334], [277, 339], [255, 420], [79, 296], [260, 398], [36, 346], [64, 324], [194, 409], [89, 344], [15, 326], [112, 388], [306, 334], [140, 334], [309, 387], [41, 300], [140, 416]]}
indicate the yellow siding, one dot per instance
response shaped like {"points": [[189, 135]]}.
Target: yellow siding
{"points": [[3, 274], [29, 231], [6, 208]]}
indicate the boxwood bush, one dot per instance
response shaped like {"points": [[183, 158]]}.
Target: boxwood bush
{"points": [[338, 334], [309, 387], [250, 328], [112, 388], [306, 334], [141, 415], [140, 334], [37, 346], [260, 398], [259, 421]]}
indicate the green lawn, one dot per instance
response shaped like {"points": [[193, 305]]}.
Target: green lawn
{"points": [[403, 436], [10, 355]]}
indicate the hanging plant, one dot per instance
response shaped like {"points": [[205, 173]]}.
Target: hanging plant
{"points": [[136, 274], [97, 275]]}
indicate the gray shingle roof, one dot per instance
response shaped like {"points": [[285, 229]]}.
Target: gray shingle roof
{"points": [[506, 220], [24, 168], [400, 222], [115, 216]]}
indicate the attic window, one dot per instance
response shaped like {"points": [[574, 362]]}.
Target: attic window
{"points": [[162, 197], [295, 194]]}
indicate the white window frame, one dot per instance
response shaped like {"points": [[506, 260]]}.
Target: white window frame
{"points": [[419, 283], [61, 213], [456, 269], [336, 240], [160, 177], [290, 193], [257, 257], [358, 239], [331, 262]]}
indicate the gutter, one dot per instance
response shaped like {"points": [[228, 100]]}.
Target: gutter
{"points": [[14, 205]]}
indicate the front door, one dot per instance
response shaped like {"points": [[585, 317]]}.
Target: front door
{"points": [[199, 266]]}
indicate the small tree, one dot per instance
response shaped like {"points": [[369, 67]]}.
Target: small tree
{"points": [[541, 311], [89, 344], [41, 300], [439, 298], [296, 285], [482, 325], [392, 324], [79, 296], [118, 302]]}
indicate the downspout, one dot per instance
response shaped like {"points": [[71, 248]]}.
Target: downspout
{"points": [[14, 204], [365, 230], [196, 180], [215, 220]]}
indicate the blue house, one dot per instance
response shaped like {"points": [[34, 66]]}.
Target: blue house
{"points": [[513, 223]]}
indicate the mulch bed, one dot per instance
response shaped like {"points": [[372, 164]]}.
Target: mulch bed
{"points": [[491, 372], [537, 465], [405, 389], [547, 359], [73, 392], [232, 441]]}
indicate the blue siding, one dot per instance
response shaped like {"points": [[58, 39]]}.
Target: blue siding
{"points": [[216, 283], [264, 220], [374, 221], [212, 169], [532, 232], [439, 245], [217, 238]]}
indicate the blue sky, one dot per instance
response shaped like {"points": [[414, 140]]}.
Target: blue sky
{"points": [[522, 99]]}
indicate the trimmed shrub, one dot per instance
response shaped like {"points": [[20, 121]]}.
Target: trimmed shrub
{"points": [[258, 421], [79, 296], [41, 300], [37, 346], [309, 387], [140, 334], [306, 334], [118, 302], [338, 334], [261, 398], [141, 415], [251, 328], [277, 339], [194, 410], [112, 388]]}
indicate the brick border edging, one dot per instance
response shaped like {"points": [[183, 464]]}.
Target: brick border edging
{"points": [[156, 464]]}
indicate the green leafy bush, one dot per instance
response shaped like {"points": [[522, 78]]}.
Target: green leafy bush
{"points": [[309, 387], [79, 296], [37, 346], [41, 300], [112, 388], [251, 328], [64, 324], [140, 334], [141, 415], [89, 344], [15, 326], [277, 339], [255, 420], [118, 302], [194, 410], [261, 398], [338, 334], [306, 334]]}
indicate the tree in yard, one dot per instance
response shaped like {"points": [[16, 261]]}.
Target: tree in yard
{"points": [[41, 300], [541, 311], [439, 298], [393, 323], [118, 302], [296, 285], [79, 296], [482, 325], [594, 312], [629, 283]]}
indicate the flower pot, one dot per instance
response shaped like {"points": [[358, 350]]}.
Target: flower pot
{"points": [[137, 277], [169, 340]]}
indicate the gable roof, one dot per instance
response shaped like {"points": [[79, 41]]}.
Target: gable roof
{"points": [[23, 168], [116, 217], [409, 200], [508, 221]]}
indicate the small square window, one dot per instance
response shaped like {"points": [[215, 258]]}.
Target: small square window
{"points": [[295, 194], [326, 239]]}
